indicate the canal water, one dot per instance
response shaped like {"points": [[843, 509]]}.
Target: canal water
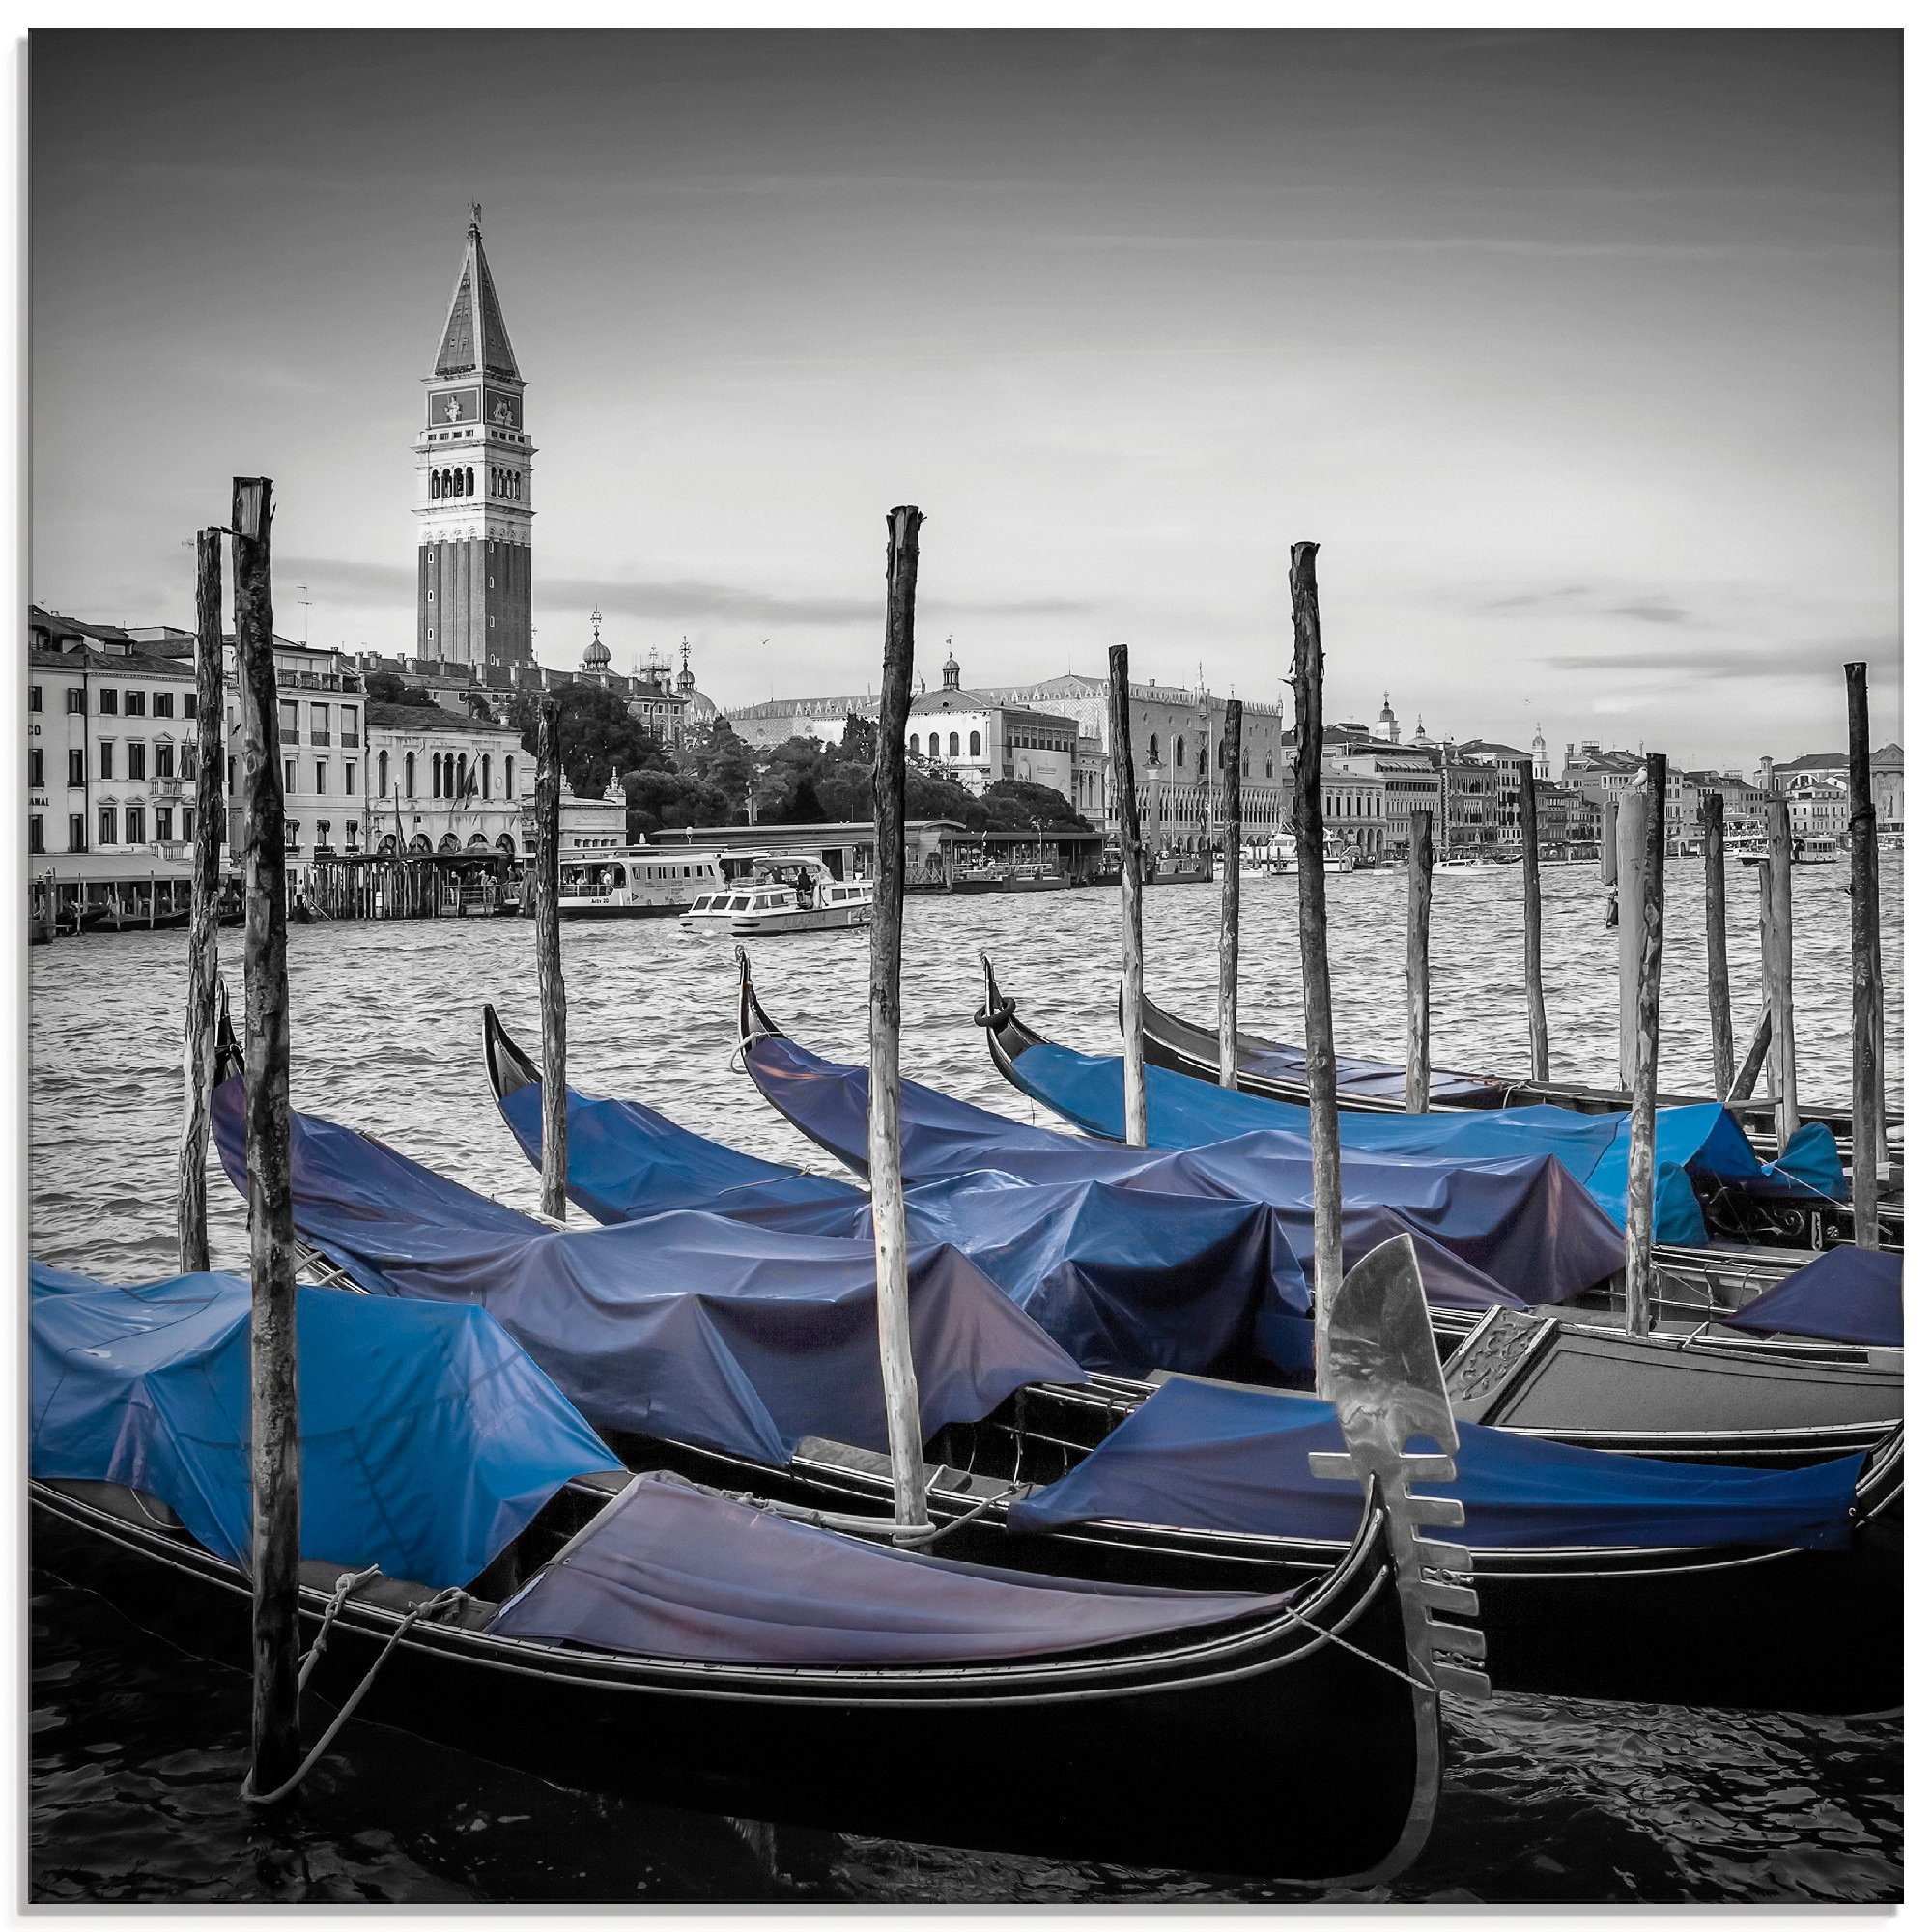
{"points": [[137, 1750]]}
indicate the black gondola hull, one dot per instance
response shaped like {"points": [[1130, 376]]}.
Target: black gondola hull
{"points": [[1284, 1753]]}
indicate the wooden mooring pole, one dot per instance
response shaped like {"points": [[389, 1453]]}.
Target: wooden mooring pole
{"points": [[275, 1451], [904, 1437], [1717, 948], [1421, 882], [1318, 1023], [1867, 1004], [1783, 1035], [1607, 851], [1231, 893], [1645, 913], [203, 896], [1633, 828], [550, 962], [1532, 934], [1127, 813]]}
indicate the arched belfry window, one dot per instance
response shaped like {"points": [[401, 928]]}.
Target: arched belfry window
{"points": [[932, 746], [470, 482]]}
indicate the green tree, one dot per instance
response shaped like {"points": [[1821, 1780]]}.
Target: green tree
{"points": [[723, 760], [595, 735], [385, 687], [787, 789], [1012, 805], [657, 800]]}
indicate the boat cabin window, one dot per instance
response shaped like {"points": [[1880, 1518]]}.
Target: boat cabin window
{"points": [[740, 902]]}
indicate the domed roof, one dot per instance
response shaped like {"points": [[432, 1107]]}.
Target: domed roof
{"points": [[1388, 715], [596, 653]]}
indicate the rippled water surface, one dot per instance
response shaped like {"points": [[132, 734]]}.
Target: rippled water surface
{"points": [[139, 1751]]}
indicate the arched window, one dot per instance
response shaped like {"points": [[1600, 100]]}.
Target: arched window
{"points": [[1153, 748], [912, 744], [1201, 760], [381, 774], [470, 482], [434, 493], [973, 739], [1179, 752], [952, 744], [462, 786], [510, 779], [485, 786], [408, 775], [932, 746]]}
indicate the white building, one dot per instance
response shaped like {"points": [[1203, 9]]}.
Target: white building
{"points": [[440, 783]]}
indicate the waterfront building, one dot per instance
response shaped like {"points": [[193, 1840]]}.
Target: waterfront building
{"points": [[1353, 809], [324, 762], [1887, 781], [1567, 822], [1820, 804], [583, 824], [440, 781], [1743, 802], [111, 734], [1513, 770], [473, 482], [1178, 738], [980, 739]]}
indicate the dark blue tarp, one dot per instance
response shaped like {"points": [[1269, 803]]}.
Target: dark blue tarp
{"points": [[1847, 1295], [691, 1327], [1515, 1231], [670, 1571], [428, 1440], [1701, 1143], [1204, 1455], [1123, 1279], [1369, 1079]]}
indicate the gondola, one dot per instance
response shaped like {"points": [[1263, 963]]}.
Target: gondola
{"points": [[1275, 1070], [1292, 1733], [1710, 1396], [1710, 1183]]}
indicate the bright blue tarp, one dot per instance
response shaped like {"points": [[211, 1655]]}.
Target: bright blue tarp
{"points": [[1696, 1143], [1204, 1455], [1515, 1231], [670, 1570], [1847, 1295], [428, 1440], [690, 1326], [1124, 1280]]}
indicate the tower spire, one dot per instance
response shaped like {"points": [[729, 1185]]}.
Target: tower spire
{"points": [[476, 339]]}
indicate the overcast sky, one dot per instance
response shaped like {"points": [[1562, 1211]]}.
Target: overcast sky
{"points": [[1576, 352]]}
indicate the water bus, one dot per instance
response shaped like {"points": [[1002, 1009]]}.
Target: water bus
{"points": [[639, 882]]}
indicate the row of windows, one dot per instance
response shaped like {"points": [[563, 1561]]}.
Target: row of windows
{"points": [[113, 700], [506, 484], [452, 775], [127, 825], [951, 745], [450, 483], [134, 765], [289, 722]]}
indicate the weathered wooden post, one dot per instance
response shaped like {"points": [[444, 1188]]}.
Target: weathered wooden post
{"points": [[204, 896], [1717, 947], [1645, 913], [1607, 856], [1783, 1035], [1318, 1025], [550, 962], [274, 1442], [1421, 883], [1868, 1009], [1532, 934], [1127, 812], [1632, 831], [904, 1437], [1231, 891]]}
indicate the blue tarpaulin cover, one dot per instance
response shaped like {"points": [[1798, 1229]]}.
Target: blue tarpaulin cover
{"points": [[671, 1570], [1515, 1231], [1204, 1455], [428, 1440], [1696, 1143], [691, 1327], [1847, 1295], [1124, 1280]]}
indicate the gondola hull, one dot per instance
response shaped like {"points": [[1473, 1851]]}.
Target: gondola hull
{"points": [[1699, 1626], [1262, 1750]]}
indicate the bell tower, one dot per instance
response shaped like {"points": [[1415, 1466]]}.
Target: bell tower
{"points": [[473, 482]]}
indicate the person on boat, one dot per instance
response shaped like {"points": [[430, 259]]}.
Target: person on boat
{"points": [[803, 890]]}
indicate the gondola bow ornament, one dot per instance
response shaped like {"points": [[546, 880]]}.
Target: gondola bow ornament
{"points": [[1381, 1371]]}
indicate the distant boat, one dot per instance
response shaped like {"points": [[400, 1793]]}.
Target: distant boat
{"points": [[786, 892]]}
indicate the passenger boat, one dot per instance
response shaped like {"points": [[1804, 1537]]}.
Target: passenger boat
{"points": [[787, 892], [986, 876], [1805, 851], [1034, 876], [1180, 869], [1290, 1733], [638, 882], [1274, 1069]]}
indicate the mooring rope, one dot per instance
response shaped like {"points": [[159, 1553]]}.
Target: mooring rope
{"points": [[443, 1600]]}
